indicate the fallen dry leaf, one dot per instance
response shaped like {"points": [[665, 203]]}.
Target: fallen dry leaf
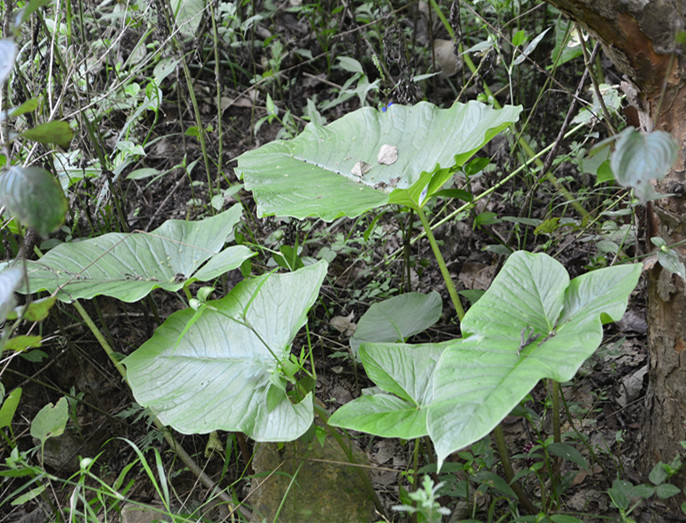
{"points": [[344, 324], [360, 168], [388, 154], [475, 275]]}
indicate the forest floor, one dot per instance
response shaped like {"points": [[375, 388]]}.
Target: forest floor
{"points": [[290, 57]]}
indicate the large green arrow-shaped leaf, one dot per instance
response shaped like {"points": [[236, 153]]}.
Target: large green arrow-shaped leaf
{"points": [[218, 373], [129, 266], [354, 163], [532, 323], [479, 381]]}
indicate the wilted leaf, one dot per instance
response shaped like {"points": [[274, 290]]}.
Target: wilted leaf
{"points": [[360, 169], [344, 324]]}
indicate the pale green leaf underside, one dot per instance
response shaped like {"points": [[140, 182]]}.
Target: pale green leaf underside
{"points": [[397, 318], [217, 375], [50, 420], [403, 370], [385, 415], [312, 175], [187, 15], [479, 379], [639, 159], [129, 266], [8, 53], [10, 278]]}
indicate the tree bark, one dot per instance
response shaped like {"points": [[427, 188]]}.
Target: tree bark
{"points": [[641, 38]]}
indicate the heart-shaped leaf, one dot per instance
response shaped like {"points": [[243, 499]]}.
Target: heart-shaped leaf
{"points": [[638, 159], [480, 380], [335, 171], [224, 371], [532, 323], [397, 318], [34, 197], [669, 258], [129, 266]]}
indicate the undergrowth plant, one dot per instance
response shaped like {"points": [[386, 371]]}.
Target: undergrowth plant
{"points": [[230, 363]]}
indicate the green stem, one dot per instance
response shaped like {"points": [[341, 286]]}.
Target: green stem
{"points": [[99, 336], [520, 140], [555, 393], [490, 190], [415, 478], [218, 90], [557, 433], [169, 438], [441, 263], [509, 473], [191, 95]]}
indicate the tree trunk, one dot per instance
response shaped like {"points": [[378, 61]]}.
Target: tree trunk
{"points": [[641, 39]]}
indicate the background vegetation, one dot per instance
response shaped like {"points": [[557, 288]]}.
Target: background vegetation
{"points": [[139, 111]]}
